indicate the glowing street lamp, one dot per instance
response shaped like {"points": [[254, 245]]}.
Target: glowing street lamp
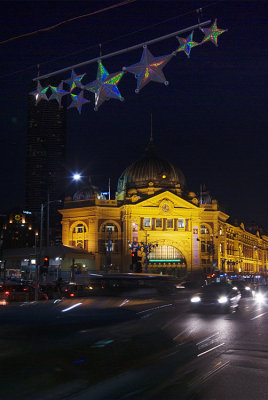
{"points": [[77, 177]]}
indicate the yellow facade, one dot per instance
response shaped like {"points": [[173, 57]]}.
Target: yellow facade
{"points": [[190, 236]]}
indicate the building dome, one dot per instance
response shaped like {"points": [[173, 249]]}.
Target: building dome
{"points": [[87, 192], [150, 170]]}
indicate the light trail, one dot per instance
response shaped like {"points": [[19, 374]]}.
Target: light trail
{"points": [[70, 308]]}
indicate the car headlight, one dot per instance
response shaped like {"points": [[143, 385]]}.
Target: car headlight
{"points": [[247, 288], [223, 299], [195, 299], [259, 297]]}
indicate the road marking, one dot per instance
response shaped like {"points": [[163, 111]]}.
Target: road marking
{"points": [[124, 302], [258, 316], [155, 308], [207, 351], [70, 308]]}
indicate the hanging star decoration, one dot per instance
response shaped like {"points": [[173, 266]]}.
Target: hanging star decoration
{"points": [[149, 69], [75, 81], [40, 93], [186, 44], [58, 92], [105, 86], [78, 100], [212, 33]]}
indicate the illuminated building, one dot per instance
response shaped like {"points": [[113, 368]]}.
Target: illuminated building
{"points": [[45, 158], [153, 204]]}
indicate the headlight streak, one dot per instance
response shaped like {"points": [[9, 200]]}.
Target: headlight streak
{"points": [[259, 297], [195, 299], [70, 308]]}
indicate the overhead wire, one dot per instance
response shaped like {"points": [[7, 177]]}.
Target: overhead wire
{"points": [[49, 28], [193, 11]]}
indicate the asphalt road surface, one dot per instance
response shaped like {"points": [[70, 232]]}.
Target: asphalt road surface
{"points": [[132, 348]]}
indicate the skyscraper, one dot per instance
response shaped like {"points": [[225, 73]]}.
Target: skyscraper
{"points": [[45, 158]]}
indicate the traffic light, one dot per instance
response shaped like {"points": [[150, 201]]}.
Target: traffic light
{"points": [[46, 261], [44, 267], [134, 257]]}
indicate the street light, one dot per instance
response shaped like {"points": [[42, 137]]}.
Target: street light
{"points": [[145, 247], [77, 177]]}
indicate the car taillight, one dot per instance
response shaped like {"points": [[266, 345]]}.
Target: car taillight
{"points": [[71, 295], [25, 289], [7, 292]]}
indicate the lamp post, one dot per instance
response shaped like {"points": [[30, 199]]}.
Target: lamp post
{"points": [[36, 286], [145, 247]]}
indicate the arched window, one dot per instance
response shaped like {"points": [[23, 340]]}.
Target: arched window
{"points": [[109, 227], [79, 236]]}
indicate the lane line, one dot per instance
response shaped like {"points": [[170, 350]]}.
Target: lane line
{"points": [[207, 351], [258, 316]]}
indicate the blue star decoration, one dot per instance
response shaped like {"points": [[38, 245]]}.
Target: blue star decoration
{"points": [[40, 93], [186, 44], [212, 33], [105, 86], [75, 81], [149, 69], [78, 100], [58, 93]]}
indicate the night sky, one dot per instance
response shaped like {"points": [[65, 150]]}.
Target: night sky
{"points": [[210, 121]]}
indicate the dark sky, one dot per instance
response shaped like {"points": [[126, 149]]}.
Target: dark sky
{"points": [[211, 121]]}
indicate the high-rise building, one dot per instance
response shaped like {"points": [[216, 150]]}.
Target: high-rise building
{"points": [[45, 159]]}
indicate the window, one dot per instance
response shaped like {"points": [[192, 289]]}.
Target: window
{"points": [[80, 228], [204, 230], [147, 222], [109, 227], [169, 223], [158, 223], [180, 223]]}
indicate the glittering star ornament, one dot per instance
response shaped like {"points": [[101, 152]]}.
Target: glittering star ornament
{"points": [[212, 33], [57, 93], [105, 86], [78, 100], [186, 44], [40, 93], [149, 69], [75, 81]]}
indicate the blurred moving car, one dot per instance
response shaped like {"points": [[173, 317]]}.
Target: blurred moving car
{"points": [[261, 294], [244, 288], [17, 292], [216, 296]]}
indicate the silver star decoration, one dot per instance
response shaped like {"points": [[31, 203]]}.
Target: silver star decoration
{"points": [[58, 92], [75, 81], [40, 93], [105, 86], [149, 69], [78, 100]]}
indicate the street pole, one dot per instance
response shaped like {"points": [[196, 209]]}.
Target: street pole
{"points": [[48, 218], [36, 269]]}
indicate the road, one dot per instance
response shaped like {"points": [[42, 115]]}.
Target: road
{"points": [[124, 348]]}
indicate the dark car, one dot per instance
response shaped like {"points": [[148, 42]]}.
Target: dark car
{"points": [[216, 296], [244, 288], [261, 294], [76, 290], [17, 292]]}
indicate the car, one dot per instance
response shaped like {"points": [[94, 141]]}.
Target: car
{"points": [[220, 296], [73, 290], [244, 288], [18, 292], [261, 294]]}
